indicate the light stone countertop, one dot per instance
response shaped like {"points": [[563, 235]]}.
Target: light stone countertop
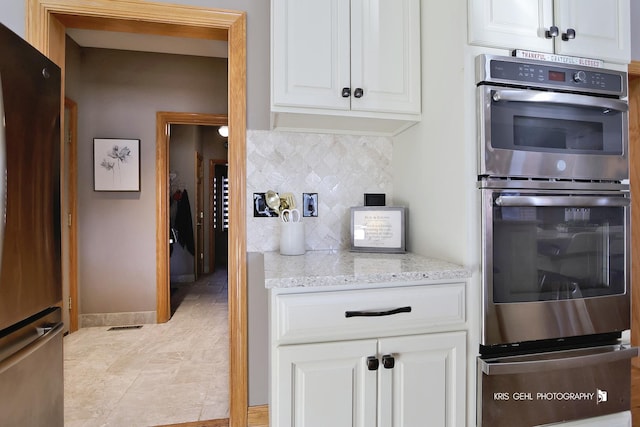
{"points": [[330, 268]]}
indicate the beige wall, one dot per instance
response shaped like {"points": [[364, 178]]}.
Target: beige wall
{"points": [[258, 54], [118, 95], [12, 14]]}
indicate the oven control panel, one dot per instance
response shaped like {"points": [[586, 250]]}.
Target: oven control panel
{"points": [[550, 75]]}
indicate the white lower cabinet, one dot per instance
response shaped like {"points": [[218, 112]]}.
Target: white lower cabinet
{"points": [[426, 385], [380, 356], [326, 384], [402, 381]]}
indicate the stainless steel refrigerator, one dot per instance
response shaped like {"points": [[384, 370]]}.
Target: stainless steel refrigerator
{"points": [[31, 364]]}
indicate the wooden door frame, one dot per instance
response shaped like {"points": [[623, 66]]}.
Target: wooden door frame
{"points": [[72, 209], [46, 23], [198, 261]]}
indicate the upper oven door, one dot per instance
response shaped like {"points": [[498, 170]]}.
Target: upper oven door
{"points": [[545, 134], [555, 264]]}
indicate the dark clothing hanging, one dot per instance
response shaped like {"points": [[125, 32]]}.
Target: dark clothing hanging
{"points": [[184, 224]]}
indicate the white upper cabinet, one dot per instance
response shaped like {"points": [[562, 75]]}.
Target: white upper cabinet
{"points": [[510, 24], [602, 29], [347, 59], [589, 28], [385, 56], [310, 53]]}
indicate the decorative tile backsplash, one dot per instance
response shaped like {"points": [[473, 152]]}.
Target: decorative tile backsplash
{"points": [[339, 168]]}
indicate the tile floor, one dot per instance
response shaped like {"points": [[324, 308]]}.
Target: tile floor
{"points": [[158, 374]]}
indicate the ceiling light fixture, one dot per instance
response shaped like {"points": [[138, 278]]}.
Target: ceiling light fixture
{"points": [[223, 131]]}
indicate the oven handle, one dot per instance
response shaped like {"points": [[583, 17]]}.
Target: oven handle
{"points": [[559, 98], [531, 366], [579, 201]]}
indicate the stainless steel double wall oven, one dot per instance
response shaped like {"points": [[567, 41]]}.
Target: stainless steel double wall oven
{"points": [[553, 175]]}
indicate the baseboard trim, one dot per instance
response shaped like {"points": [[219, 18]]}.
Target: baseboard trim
{"points": [[258, 416], [117, 319]]}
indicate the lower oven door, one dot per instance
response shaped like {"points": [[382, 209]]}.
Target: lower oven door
{"points": [[555, 264], [545, 388]]}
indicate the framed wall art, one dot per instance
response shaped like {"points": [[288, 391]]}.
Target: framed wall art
{"points": [[116, 164], [378, 229]]}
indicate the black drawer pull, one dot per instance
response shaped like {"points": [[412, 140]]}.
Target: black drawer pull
{"points": [[364, 313]]}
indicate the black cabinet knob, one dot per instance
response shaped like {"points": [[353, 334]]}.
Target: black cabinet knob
{"points": [[570, 34], [358, 92], [552, 32], [372, 363], [388, 361], [346, 92]]}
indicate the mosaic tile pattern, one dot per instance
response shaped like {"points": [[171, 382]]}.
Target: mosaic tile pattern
{"points": [[340, 168]]}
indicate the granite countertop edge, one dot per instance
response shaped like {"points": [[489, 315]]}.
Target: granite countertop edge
{"points": [[334, 268]]}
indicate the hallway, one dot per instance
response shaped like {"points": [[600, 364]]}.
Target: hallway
{"points": [[158, 374]]}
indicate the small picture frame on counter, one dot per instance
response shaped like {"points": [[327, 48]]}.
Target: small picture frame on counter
{"points": [[378, 229]]}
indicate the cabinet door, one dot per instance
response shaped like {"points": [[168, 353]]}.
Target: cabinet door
{"points": [[602, 29], [427, 382], [329, 384], [511, 25], [385, 56], [310, 53]]}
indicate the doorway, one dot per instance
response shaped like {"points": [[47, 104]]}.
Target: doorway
{"points": [[219, 208], [190, 148], [45, 29]]}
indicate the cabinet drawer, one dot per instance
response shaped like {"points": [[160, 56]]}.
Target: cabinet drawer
{"points": [[318, 316]]}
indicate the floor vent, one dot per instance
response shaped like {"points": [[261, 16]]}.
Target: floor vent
{"points": [[124, 328]]}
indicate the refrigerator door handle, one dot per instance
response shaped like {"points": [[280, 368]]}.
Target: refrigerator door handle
{"points": [[537, 364], [23, 353], [3, 172]]}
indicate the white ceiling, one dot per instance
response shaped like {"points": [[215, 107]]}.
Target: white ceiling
{"points": [[148, 43]]}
